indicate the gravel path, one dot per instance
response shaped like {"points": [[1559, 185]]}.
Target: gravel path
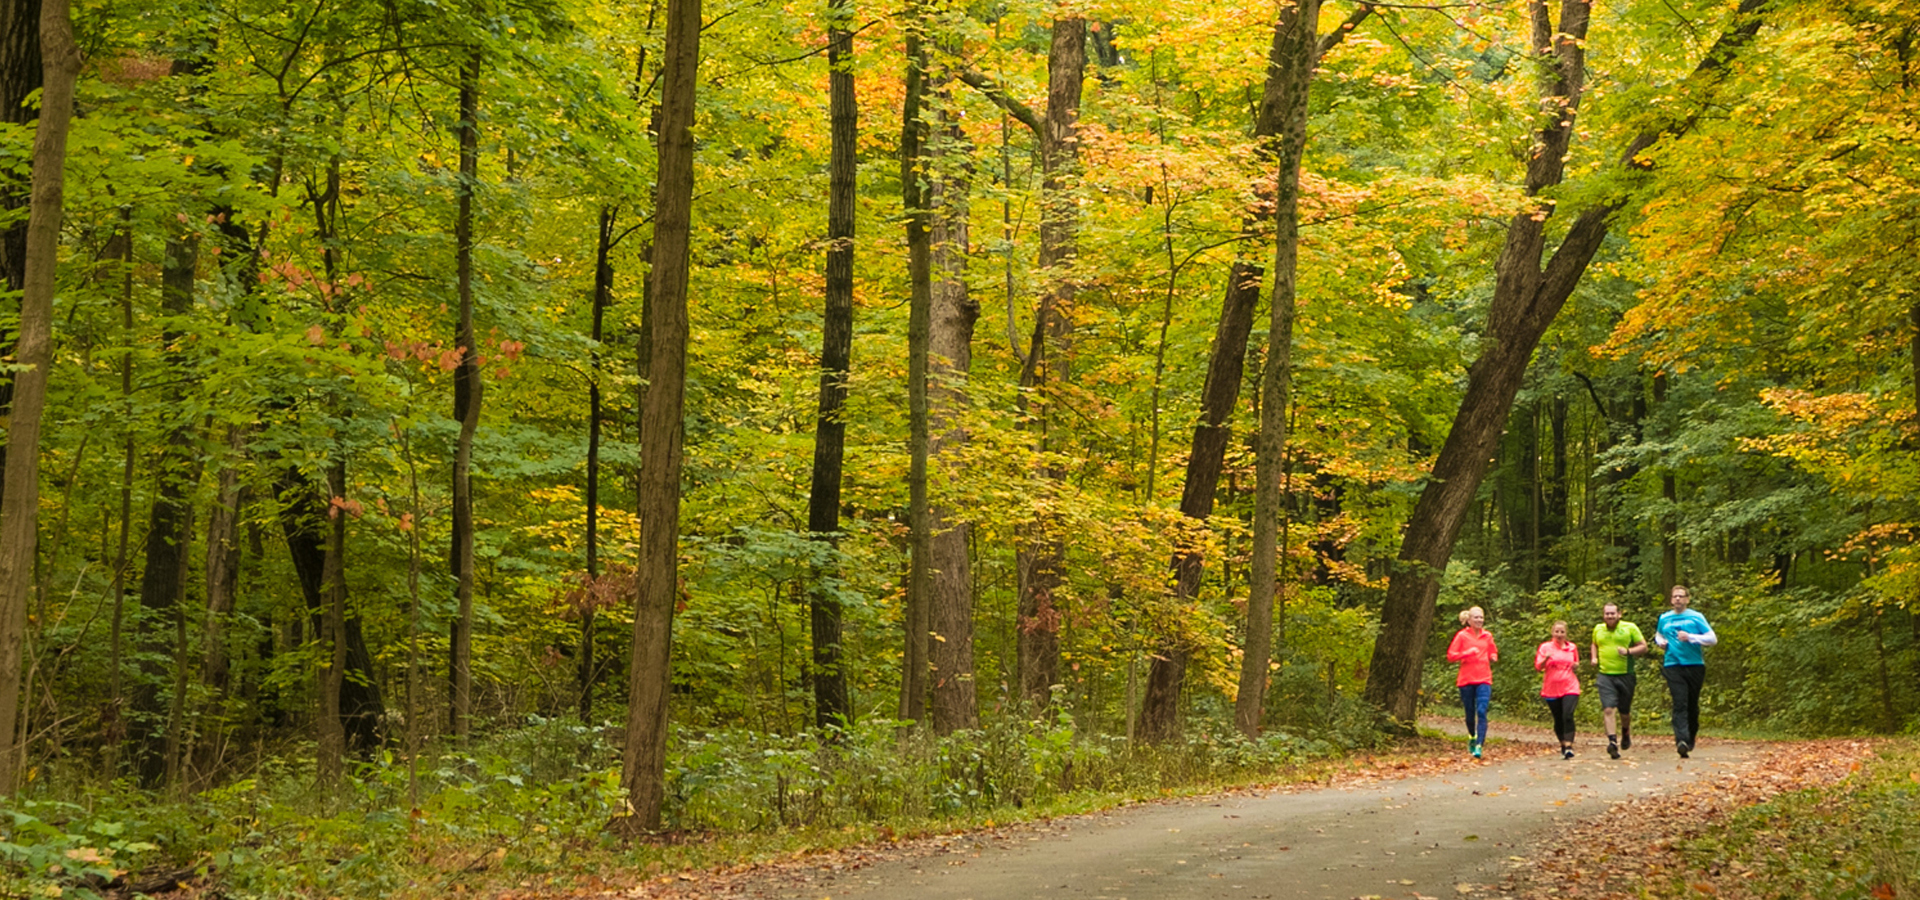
{"points": [[1424, 836]]}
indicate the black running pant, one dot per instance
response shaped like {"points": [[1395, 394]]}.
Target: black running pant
{"points": [[1562, 709], [1684, 682]]}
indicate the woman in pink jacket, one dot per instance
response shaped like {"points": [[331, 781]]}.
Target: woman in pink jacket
{"points": [[1474, 650], [1559, 687]]}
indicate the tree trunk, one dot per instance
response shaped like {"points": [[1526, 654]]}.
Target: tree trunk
{"points": [[466, 408], [831, 704], [643, 771], [1226, 366], [329, 726], [19, 505], [1670, 492], [602, 296], [919, 222], [1289, 75], [359, 704], [152, 728], [1527, 296], [1040, 561], [952, 313], [20, 76]]}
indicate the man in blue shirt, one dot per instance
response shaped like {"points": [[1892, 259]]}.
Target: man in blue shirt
{"points": [[1682, 634]]}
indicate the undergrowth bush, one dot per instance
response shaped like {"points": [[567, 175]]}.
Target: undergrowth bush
{"points": [[533, 802]]}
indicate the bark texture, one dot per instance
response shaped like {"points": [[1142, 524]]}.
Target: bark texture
{"points": [[1040, 562], [951, 316], [466, 409], [19, 519], [831, 702], [643, 770], [919, 223]]}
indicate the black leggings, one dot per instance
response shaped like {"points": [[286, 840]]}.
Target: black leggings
{"points": [[1562, 709]]}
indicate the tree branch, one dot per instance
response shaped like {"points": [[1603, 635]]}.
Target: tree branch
{"points": [[993, 91], [1332, 39]]}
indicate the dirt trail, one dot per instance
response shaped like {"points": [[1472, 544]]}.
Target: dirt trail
{"points": [[1446, 835]]}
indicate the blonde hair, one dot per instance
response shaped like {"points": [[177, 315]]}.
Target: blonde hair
{"points": [[1467, 613]]}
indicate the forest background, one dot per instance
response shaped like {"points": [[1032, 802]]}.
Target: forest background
{"points": [[376, 335]]}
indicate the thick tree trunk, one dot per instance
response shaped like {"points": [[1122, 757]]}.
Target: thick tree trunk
{"points": [[20, 76], [33, 354], [466, 409], [1040, 561], [643, 771], [919, 222], [1527, 296], [1289, 75], [831, 704], [1226, 367], [952, 313]]}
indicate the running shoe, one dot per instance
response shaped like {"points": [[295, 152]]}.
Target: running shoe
{"points": [[1613, 750], [1566, 752], [1684, 748], [1476, 749], [1626, 740]]}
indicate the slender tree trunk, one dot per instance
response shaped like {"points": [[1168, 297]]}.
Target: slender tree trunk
{"points": [[330, 733], [1289, 74], [112, 720], [602, 296], [914, 177], [831, 703], [952, 313], [643, 771], [33, 354], [466, 407], [1159, 718], [1040, 561], [1527, 296], [1670, 492]]}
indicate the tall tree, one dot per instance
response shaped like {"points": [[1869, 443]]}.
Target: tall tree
{"points": [[1041, 558], [154, 729], [643, 769], [1289, 75], [33, 354], [919, 225], [1528, 294], [1226, 368], [952, 312], [20, 75], [831, 703], [466, 404]]}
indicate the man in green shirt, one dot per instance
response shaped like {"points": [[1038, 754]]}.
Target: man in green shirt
{"points": [[1615, 644]]}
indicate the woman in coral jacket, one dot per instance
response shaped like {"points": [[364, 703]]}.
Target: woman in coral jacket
{"points": [[1474, 650], [1556, 660]]}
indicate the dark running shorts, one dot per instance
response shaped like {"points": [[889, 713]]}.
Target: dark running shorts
{"points": [[1615, 688]]}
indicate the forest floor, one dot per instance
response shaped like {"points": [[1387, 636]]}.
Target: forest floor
{"points": [[1521, 823]]}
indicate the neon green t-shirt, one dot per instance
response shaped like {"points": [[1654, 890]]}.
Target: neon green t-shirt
{"points": [[1626, 634]]}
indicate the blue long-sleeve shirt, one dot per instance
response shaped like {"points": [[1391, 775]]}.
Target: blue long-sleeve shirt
{"points": [[1685, 652]]}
